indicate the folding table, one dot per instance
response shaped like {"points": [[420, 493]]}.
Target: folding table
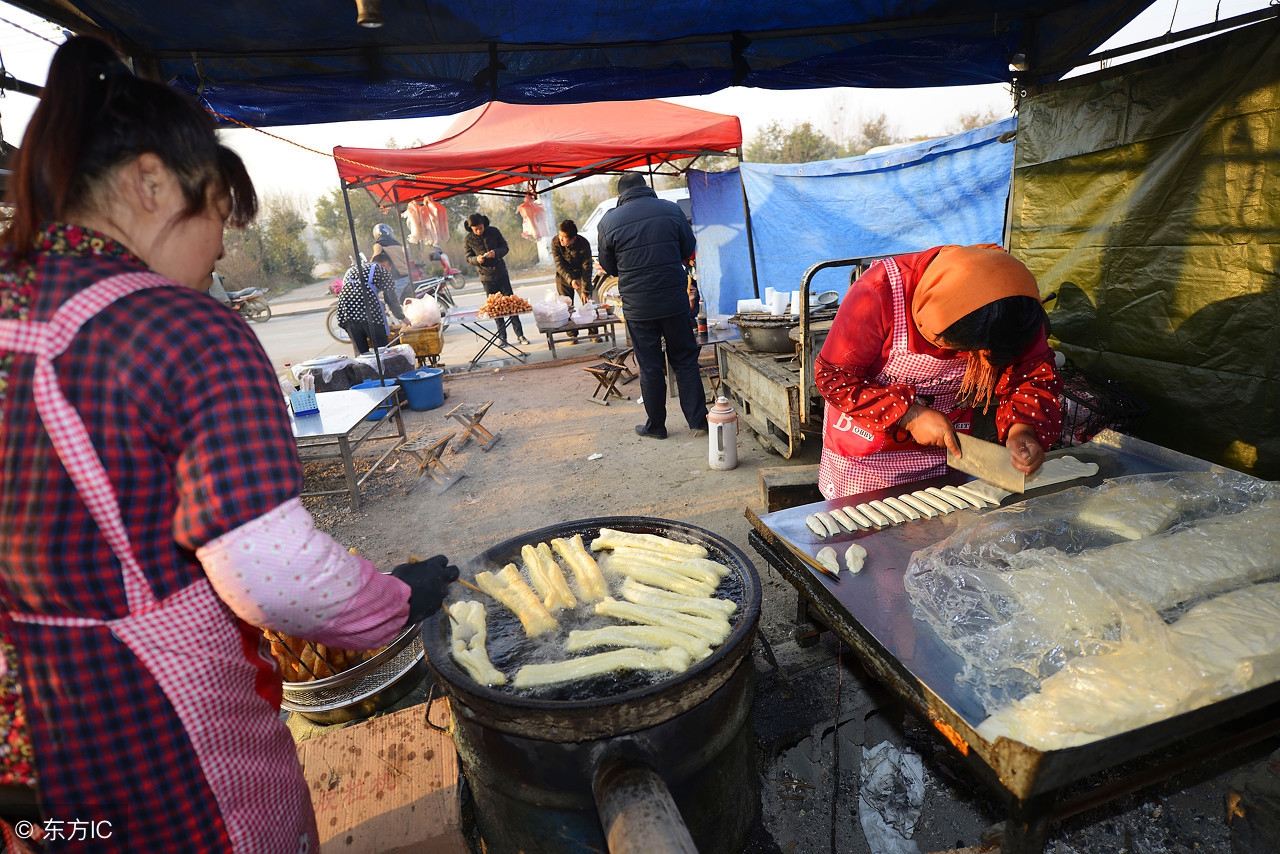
{"points": [[340, 419], [468, 318]]}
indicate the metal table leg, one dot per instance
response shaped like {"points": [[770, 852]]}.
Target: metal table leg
{"points": [[349, 469]]}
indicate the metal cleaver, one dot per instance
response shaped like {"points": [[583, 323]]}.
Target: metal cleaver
{"points": [[988, 461]]}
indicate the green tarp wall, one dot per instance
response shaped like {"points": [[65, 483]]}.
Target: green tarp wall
{"points": [[1149, 198]]}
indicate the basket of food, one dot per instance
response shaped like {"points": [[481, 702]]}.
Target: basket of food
{"points": [[330, 686], [1091, 404], [426, 341], [502, 305]]}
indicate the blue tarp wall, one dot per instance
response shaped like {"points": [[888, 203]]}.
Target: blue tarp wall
{"points": [[949, 190]]}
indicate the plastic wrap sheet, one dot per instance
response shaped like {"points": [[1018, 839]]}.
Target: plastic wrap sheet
{"points": [[1023, 590], [1222, 647]]}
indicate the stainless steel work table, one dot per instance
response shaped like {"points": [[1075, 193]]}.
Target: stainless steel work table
{"points": [[341, 415], [871, 612]]}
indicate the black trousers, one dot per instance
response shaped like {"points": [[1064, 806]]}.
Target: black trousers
{"points": [[360, 338], [647, 337], [505, 289]]}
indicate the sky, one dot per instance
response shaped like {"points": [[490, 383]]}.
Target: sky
{"points": [[281, 167]]}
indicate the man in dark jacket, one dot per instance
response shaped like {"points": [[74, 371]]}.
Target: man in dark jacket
{"points": [[645, 242]]}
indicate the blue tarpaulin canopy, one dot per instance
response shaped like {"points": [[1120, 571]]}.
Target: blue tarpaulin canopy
{"points": [[950, 190], [271, 62]]}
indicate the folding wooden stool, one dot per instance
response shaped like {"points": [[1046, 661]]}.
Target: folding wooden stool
{"points": [[607, 375], [469, 418], [427, 450], [618, 356]]}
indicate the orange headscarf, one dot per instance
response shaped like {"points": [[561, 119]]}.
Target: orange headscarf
{"points": [[962, 279]]}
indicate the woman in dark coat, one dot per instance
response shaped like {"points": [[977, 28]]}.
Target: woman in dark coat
{"points": [[486, 247]]}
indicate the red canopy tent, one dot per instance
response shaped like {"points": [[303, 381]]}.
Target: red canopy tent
{"points": [[501, 147]]}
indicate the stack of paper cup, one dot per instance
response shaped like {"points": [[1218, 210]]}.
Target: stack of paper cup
{"points": [[778, 302], [768, 296], [795, 302]]}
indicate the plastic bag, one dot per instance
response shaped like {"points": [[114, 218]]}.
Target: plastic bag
{"points": [[1024, 590], [413, 218], [551, 313], [422, 312], [533, 215]]}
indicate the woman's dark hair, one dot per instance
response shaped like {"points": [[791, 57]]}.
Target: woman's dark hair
{"points": [[96, 115], [239, 188], [477, 219], [569, 227], [1003, 329]]}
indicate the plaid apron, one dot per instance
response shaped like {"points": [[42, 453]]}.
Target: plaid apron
{"points": [[190, 644]]}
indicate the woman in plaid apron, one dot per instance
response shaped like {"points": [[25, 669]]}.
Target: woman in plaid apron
{"points": [[919, 340], [149, 509]]}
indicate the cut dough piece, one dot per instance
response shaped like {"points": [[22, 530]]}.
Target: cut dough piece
{"points": [[957, 503], [861, 520], [877, 520], [894, 517], [547, 578], [468, 640], [591, 584], [532, 675], [830, 524], [699, 606], [510, 589], [659, 577], [924, 509], [609, 538], [903, 508], [815, 525], [1060, 470], [854, 557], [646, 637], [936, 503], [987, 491], [972, 500], [713, 629], [828, 560], [845, 520], [967, 490]]}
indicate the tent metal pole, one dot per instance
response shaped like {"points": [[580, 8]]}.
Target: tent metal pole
{"points": [[364, 281], [751, 244]]}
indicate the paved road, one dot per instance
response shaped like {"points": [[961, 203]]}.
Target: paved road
{"points": [[297, 332]]}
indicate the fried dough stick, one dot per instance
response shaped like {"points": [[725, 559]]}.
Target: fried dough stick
{"points": [[700, 606], [711, 629], [664, 578], [547, 578], [611, 539], [591, 584], [697, 568], [531, 675], [509, 588], [468, 643], [647, 637]]}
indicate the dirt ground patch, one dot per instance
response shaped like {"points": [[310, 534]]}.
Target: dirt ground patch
{"points": [[540, 474]]}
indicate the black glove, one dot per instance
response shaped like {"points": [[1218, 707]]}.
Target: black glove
{"points": [[427, 580]]}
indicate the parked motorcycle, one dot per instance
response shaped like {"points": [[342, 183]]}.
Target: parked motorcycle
{"points": [[455, 278], [251, 304]]}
